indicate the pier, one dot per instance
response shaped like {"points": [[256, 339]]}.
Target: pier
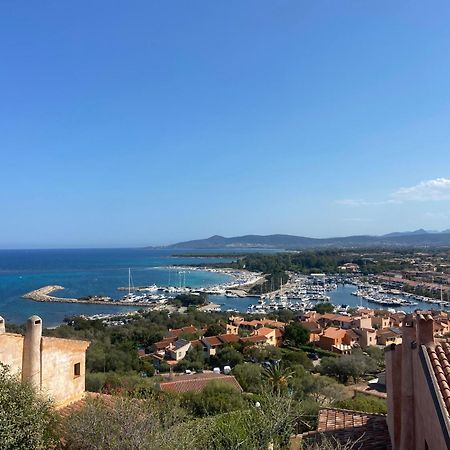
{"points": [[43, 294]]}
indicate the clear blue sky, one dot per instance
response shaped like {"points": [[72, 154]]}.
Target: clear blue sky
{"points": [[133, 123]]}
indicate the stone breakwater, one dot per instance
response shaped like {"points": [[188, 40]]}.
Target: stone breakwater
{"points": [[43, 294]]}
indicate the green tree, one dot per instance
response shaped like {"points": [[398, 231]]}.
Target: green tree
{"points": [[277, 377], [229, 356], [261, 354], [348, 367], [292, 357], [188, 300], [249, 376], [27, 421], [323, 308], [215, 329], [295, 334], [377, 354]]}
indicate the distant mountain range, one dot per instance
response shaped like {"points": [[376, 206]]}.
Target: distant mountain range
{"points": [[418, 238]]}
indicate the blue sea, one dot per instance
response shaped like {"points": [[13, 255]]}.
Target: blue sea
{"points": [[88, 272], [101, 271]]}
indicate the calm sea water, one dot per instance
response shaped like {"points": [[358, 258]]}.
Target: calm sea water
{"points": [[87, 272], [101, 272]]}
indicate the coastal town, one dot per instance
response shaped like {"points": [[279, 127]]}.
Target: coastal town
{"points": [[423, 282], [225, 225]]}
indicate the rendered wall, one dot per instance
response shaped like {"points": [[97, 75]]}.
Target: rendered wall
{"points": [[11, 351], [46, 362], [58, 380]]}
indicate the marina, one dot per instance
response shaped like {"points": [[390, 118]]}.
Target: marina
{"points": [[300, 293], [92, 282]]}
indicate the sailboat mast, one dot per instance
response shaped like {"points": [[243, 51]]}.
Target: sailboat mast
{"points": [[129, 280]]}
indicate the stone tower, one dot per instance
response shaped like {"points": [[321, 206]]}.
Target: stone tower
{"points": [[2, 325]]}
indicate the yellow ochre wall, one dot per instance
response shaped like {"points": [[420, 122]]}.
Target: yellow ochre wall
{"points": [[54, 375]]}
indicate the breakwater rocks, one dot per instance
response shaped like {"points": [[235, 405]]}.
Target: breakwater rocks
{"points": [[43, 294]]}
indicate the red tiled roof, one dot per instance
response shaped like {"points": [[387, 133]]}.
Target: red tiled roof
{"points": [[253, 339], [335, 317], [345, 319], [212, 340], [196, 343], [272, 323], [161, 345], [327, 316], [334, 333], [278, 333], [177, 331], [229, 338], [352, 334], [311, 326], [251, 323], [264, 331], [440, 360], [368, 431], [196, 382], [388, 332]]}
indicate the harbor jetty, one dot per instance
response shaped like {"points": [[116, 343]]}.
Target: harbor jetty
{"points": [[43, 294]]}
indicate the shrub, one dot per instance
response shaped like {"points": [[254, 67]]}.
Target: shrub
{"points": [[216, 398], [27, 421], [363, 403], [249, 376]]}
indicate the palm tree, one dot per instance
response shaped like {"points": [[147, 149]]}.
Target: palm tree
{"points": [[277, 377]]}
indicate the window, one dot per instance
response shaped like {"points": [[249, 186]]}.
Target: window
{"points": [[77, 369], [37, 322]]}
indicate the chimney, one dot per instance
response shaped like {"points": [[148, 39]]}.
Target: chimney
{"points": [[425, 332], [31, 364], [2, 325]]}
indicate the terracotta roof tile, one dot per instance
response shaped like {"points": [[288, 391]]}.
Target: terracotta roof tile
{"points": [[439, 357], [178, 331], [253, 339], [334, 333], [264, 331], [272, 323], [369, 431], [196, 343], [212, 340], [161, 345], [311, 325], [228, 338]]}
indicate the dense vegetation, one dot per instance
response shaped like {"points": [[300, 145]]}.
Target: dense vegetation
{"points": [[283, 391], [326, 261], [187, 300], [27, 421]]}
